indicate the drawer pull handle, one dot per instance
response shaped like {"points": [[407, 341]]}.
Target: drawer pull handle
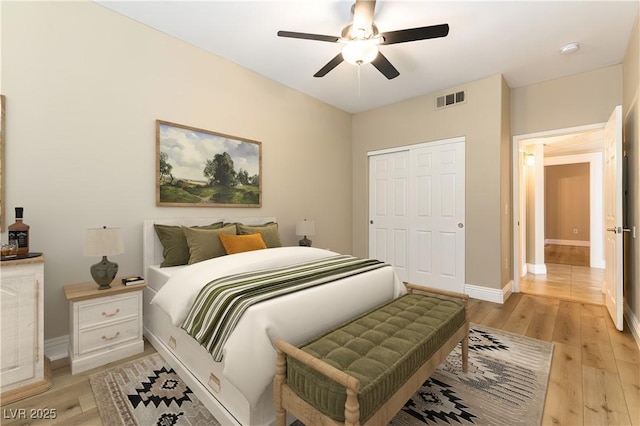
{"points": [[110, 315], [112, 337]]}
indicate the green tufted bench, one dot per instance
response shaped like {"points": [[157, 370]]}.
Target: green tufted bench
{"points": [[364, 371]]}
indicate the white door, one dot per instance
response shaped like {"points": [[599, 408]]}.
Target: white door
{"points": [[437, 216], [613, 217], [416, 213], [388, 228]]}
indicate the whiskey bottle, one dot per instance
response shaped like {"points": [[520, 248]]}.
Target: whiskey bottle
{"points": [[19, 231]]}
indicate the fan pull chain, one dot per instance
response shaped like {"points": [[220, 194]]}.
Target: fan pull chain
{"points": [[359, 66]]}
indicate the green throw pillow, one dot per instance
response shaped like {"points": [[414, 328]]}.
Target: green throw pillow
{"points": [[269, 232], [205, 243], [174, 243]]}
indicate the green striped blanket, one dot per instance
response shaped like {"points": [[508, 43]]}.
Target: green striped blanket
{"points": [[220, 304]]}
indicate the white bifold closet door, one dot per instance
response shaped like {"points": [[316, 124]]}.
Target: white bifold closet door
{"points": [[388, 204], [417, 215]]}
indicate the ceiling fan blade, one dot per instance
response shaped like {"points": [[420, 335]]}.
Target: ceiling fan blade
{"points": [[306, 36], [413, 34], [384, 66], [330, 65], [363, 17]]}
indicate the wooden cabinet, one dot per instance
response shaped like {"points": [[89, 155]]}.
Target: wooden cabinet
{"points": [[105, 325], [24, 370]]}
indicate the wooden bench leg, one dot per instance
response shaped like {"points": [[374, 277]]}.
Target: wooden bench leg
{"points": [[278, 382], [351, 409], [465, 352]]}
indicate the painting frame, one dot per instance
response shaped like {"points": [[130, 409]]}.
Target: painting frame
{"points": [[2, 163], [202, 168]]}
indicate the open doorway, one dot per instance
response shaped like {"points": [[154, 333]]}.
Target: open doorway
{"points": [[567, 211], [540, 244]]}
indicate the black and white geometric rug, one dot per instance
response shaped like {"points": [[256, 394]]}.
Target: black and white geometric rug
{"points": [[505, 385], [144, 392]]}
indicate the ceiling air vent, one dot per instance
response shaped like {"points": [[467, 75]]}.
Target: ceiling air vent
{"points": [[450, 99]]}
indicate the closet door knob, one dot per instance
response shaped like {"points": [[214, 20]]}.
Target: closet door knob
{"points": [[460, 225]]}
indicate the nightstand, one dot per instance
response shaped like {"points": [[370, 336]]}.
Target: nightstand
{"points": [[104, 325]]}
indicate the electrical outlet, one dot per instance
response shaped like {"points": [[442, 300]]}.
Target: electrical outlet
{"points": [[575, 230]]}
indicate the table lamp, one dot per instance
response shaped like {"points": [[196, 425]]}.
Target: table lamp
{"points": [[104, 242], [305, 228]]}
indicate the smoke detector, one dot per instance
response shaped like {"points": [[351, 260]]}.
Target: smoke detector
{"points": [[569, 48]]}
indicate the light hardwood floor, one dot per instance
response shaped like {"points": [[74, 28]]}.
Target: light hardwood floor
{"points": [[568, 276], [567, 255], [594, 380], [566, 282]]}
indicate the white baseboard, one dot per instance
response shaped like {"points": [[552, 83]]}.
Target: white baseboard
{"points": [[576, 243], [507, 291], [634, 323], [57, 348], [540, 269], [489, 294]]}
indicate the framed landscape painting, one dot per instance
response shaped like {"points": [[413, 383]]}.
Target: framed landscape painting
{"points": [[196, 167]]}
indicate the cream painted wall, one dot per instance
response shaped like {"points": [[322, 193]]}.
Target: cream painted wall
{"points": [[631, 137], [84, 87], [567, 202], [576, 100], [416, 121]]}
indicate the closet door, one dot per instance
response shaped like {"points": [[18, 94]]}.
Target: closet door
{"points": [[388, 222], [437, 216]]}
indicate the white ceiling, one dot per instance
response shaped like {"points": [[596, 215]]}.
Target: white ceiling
{"points": [[520, 39]]}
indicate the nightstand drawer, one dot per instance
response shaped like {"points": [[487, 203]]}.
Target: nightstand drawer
{"points": [[110, 335], [104, 325], [112, 308]]}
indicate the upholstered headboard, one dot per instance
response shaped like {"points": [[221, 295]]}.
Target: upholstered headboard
{"points": [[152, 248]]}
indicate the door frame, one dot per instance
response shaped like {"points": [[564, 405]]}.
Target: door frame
{"points": [[417, 145], [516, 172]]}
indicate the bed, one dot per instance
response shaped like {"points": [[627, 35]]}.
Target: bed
{"points": [[238, 389]]}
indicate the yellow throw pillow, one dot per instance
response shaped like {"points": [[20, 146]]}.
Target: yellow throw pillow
{"points": [[240, 243]]}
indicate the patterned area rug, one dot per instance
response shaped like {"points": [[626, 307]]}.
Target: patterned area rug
{"points": [[506, 385], [147, 392]]}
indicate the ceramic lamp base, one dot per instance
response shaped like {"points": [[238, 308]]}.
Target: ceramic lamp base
{"points": [[305, 242], [104, 272]]}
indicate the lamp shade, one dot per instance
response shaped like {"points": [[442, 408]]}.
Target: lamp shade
{"points": [[103, 242], [305, 227]]}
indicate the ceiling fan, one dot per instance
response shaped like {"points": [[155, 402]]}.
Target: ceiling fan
{"points": [[361, 39]]}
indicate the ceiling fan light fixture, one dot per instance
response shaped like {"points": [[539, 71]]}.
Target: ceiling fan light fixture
{"points": [[360, 51]]}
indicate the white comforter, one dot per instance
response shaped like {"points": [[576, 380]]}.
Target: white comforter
{"points": [[249, 356]]}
